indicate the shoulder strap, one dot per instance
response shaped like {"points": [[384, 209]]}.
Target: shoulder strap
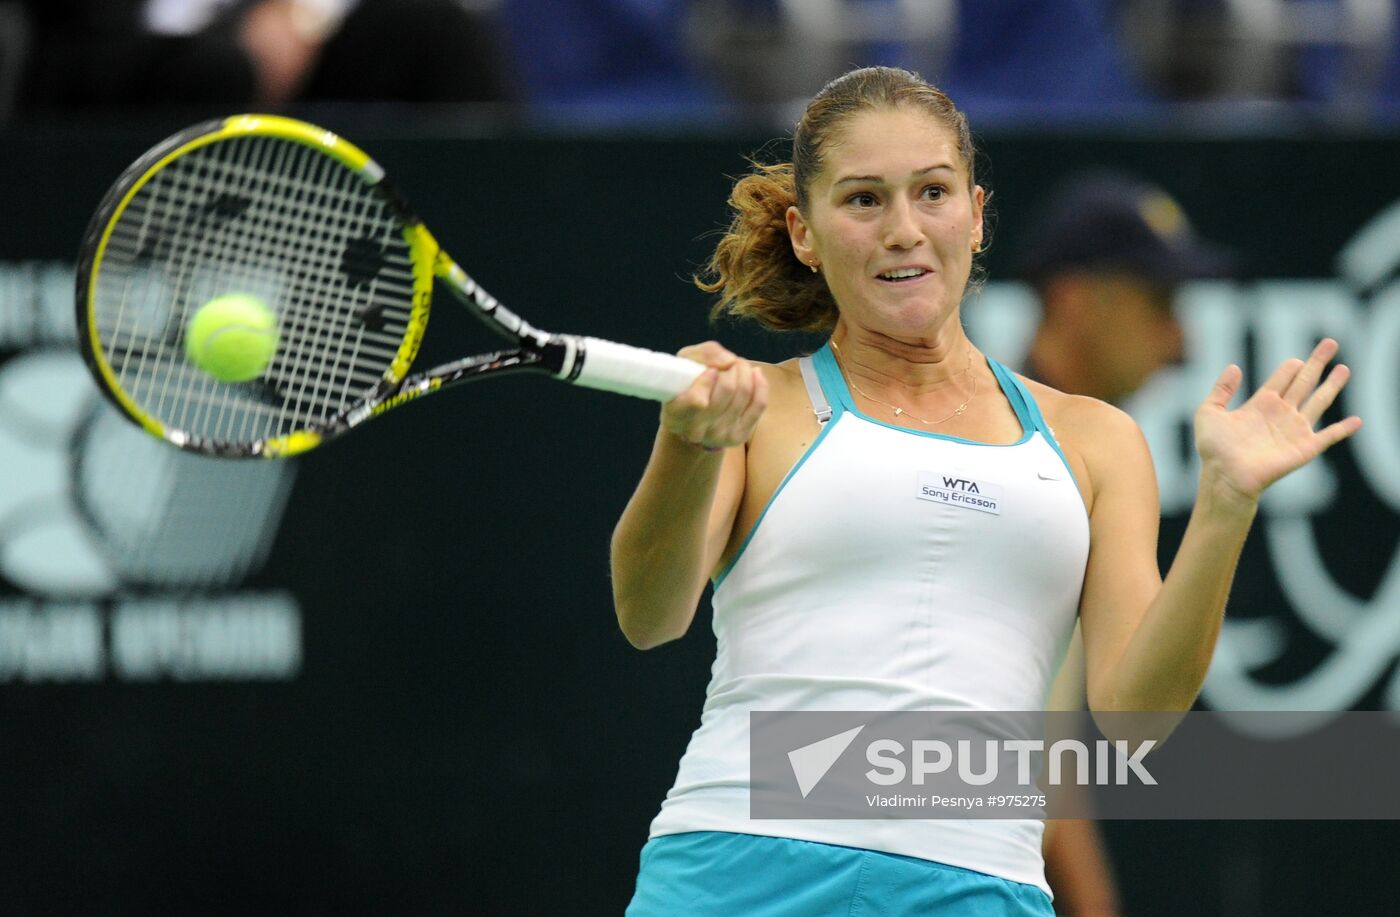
{"points": [[820, 405], [1021, 401], [1027, 410]]}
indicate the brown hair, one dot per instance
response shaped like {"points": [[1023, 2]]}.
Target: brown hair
{"points": [[753, 267]]}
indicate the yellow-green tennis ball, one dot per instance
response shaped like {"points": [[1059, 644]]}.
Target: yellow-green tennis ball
{"points": [[232, 337]]}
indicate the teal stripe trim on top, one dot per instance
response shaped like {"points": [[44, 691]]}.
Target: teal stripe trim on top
{"points": [[1027, 402], [1021, 401], [835, 384], [1037, 418]]}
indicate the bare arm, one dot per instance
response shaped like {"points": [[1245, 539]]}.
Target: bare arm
{"points": [[1149, 643], [1077, 868], [1077, 865], [675, 527]]}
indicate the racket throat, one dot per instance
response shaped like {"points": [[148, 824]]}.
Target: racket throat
{"points": [[551, 358]]}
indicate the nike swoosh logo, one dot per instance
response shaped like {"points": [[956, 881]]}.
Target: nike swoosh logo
{"points": [[1046, 477]]}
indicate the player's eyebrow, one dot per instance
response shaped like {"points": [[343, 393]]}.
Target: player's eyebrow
{"points": [[876, 179]]}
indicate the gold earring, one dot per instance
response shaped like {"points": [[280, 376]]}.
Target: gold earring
{"points": [[976, 246], [813, 266]]}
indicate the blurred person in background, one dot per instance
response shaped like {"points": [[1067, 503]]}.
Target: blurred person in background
{"points": [[1108, 256], [1109, 253], [87, 54]]}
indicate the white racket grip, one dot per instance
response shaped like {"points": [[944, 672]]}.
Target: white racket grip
{"points": [[615, 367]]}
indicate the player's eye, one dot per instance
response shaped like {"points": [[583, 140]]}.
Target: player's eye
{"points": [[932, 193], [862, 199]]}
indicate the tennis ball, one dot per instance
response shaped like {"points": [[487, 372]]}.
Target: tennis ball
{"points": [[232, 337]]}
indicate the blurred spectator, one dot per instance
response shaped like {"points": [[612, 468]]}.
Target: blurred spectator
{"points": [[268, 53], [1052, 57], [602, 57], [1105, 257], [1323, 51], [776, 51], [1039, 58], [1029, 56], [610, 60], [1388, 97]]}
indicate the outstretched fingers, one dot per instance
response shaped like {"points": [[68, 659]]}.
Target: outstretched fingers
{"points": [[1226, 384], [1312, 394], [1332, 434], [1320, 400], [1309, 372]]}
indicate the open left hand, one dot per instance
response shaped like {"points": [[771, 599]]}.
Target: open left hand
{"points": [[1272, 433]]}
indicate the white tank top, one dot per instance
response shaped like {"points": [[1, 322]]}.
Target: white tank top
{"points": [[859, 590]]}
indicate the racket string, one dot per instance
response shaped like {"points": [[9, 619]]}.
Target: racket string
{"points": [[276, 219], [321, 326]]}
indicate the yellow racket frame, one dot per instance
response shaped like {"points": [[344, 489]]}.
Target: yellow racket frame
{"points": [[423, 248]]}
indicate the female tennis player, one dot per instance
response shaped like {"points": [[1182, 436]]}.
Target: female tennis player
{"points": [[839, 584]]}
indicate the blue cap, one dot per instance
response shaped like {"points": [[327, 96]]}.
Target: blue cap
{"points": [[1107, 221]]}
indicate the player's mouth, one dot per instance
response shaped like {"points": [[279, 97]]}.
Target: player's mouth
{"points": [[904, 274]]}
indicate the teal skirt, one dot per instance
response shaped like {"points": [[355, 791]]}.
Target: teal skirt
{"points": [[719, 874]]}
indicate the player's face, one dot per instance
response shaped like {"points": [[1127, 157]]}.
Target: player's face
{"points": [[892, 222]]}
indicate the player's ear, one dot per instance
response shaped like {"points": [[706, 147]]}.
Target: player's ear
{"points": [[801, 237], [979, 200]]}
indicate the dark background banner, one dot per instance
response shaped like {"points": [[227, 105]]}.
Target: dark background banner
{"points": [[405, 691]]}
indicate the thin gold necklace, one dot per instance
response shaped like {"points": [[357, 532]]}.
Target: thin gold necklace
{"points": [[898, 411]]}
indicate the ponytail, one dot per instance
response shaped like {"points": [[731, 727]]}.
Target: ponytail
{"points": [[754, 268]]}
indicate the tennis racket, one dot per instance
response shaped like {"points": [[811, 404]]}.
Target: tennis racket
{"points": [[301, 219]]}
